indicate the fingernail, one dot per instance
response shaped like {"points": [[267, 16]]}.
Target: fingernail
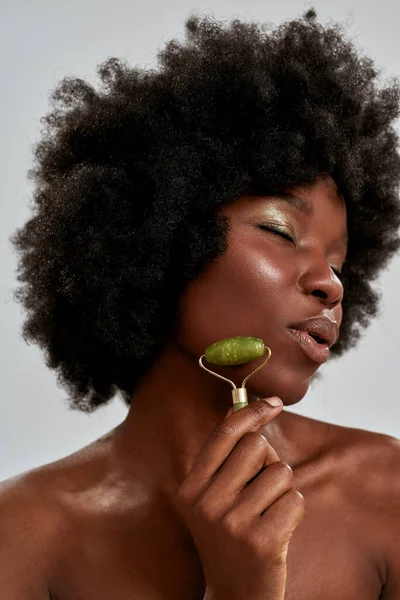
{"points": [[230, 411], [274, 401]]}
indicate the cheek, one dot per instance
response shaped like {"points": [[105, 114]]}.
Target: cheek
{"points": [[338, 312], [237, 295]]}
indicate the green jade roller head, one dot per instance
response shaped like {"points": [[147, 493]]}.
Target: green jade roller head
{"points": [[238, 350]]}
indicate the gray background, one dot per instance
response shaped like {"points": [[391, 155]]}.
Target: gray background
{"points": [[41, 42]]}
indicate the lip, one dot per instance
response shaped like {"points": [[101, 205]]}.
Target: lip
{"points": [[318, 353], [321, 326]]}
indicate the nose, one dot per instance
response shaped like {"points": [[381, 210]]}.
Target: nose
{"points": [[320, 281]]}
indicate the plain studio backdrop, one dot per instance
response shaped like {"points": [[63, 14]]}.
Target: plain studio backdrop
{"points": [[44, 40]]}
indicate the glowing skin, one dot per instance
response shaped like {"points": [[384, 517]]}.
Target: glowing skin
{"points": [[260, 286], [111, 526]]}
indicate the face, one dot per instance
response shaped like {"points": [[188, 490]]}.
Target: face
{"points": [[281, 268]]}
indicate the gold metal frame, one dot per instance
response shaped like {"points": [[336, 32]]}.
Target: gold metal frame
{"points": [[239, 395]]}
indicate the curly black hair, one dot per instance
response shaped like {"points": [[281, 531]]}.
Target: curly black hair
{"points": [[129, 180]]}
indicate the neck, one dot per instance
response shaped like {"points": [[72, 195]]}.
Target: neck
{"points": [[173, 411]]}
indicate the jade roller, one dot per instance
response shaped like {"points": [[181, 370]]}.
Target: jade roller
{"points": [[238, 350]]}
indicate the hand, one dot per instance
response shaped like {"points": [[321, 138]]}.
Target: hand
{"points": [[241, 508]]}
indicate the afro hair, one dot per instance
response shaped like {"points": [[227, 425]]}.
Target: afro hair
{"points": [[129, 179]]}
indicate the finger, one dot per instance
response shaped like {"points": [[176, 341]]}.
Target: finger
{"points": [[280, 520], [267, 488], [243, 464], [224, 438], [271, 455]]}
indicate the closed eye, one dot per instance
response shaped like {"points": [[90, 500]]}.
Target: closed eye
{"points": [[288, 237], [283, 234]]}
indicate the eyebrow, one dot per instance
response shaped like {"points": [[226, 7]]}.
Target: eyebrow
{"points": [[306, 208], [296, 201]]}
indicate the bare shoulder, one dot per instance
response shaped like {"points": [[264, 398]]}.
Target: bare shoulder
{"points": [[372, 480], [34, 520], [28, 524], [25, 507], [380, 468], [368, 456], [368, 462], [350, 443]]}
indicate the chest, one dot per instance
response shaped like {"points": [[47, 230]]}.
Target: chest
{"points": [[331, 556]]}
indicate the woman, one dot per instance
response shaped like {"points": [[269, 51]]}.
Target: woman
{"points": [[248, 187]]}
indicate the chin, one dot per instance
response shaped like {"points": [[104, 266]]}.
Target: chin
{"points": [[290, 388]]}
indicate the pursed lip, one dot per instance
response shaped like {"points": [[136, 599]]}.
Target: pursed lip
{"points": [[322, 327]]}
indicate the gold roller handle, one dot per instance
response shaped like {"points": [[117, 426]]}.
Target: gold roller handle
{"points": [[239, 395]]}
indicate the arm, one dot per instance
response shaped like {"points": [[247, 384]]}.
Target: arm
{"points": [[391, 518], [23, 559]]}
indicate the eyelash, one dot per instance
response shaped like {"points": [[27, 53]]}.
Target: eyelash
{"points": [[285, 235], [288, 237]]}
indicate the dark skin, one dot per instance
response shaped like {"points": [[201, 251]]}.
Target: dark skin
{"points": [[104, 522]]}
